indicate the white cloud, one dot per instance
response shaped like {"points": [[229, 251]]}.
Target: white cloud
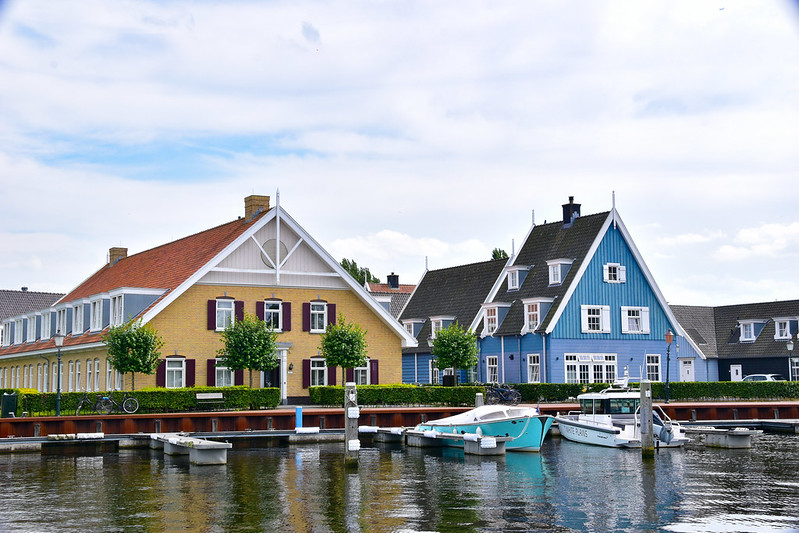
{"points": [[768, 240]]}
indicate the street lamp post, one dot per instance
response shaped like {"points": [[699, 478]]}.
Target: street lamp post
{"points": [[669, 340], [789, 345], [58, 338]]}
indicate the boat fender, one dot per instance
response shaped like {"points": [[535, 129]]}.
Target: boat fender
{"points": [[665, 434]]}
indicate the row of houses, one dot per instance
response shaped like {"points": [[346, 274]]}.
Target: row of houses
{"points": [[576, 303]]}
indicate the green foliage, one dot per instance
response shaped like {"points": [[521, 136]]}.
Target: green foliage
{"points": [[555, 392], [133, 347], [249, 345], [361, 274], [454, 347], [153, 400], [499, 253], [344, 344], [398, 395]]}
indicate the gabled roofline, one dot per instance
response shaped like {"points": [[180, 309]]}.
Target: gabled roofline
{"points": [[273, 214], [614, 218]]}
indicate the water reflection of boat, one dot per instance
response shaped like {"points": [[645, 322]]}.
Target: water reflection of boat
{"points": [[612, 418], [525, 425]]}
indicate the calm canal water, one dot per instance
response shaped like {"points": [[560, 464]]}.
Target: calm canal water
{"points": [[567, 487]]}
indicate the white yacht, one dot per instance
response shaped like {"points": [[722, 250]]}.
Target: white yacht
{"points": [[612, 418]]}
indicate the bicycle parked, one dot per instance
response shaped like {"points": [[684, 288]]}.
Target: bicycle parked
{"points": [[104, 405], [502, 393]]}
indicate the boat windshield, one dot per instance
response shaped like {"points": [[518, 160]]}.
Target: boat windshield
{"points": [[623, 405], [592, 407]]}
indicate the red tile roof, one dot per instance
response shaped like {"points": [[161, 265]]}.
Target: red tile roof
{"points": [[386, 288]]}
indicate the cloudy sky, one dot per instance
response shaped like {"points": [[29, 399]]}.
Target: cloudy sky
{"points": [[400, 131]]}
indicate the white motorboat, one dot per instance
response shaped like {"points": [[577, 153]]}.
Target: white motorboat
{"points": [[612, 418]]}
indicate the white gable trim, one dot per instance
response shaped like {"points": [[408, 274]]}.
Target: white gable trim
{"points": [[278, 213], [614, 218]]}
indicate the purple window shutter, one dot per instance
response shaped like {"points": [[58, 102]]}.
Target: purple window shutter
{"points": [[374, 377], [238, 305], [160, 374], [190, 366], [350, 375], [331, 375], [306, 373], [306, 316], [259, 310], [331, 314], [212, 373], [238, 377], [211, 314], [286, 316]]}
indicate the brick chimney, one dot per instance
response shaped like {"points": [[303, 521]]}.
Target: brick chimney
{"points": [[254, 204], [393, 281], [570, 211], [115, 254]]}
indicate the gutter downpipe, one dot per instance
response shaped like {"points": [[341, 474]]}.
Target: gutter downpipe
{"points": [[502, 351], [544, 366], [519, 344]]}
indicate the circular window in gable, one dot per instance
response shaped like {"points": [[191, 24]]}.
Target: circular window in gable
{"points": [[270, 247]]}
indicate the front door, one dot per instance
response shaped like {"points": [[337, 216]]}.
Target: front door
{"points": [[686, 369], [735, 373]]}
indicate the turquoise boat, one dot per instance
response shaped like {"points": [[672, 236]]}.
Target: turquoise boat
{"points": [[525, 425]]}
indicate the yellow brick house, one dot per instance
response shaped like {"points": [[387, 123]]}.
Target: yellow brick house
{"points": [[263, 263]]}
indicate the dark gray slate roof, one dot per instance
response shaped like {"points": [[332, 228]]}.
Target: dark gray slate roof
{"points": [[13, 303], [700, 324], [456, 291], [725, 335], [547, 242]]}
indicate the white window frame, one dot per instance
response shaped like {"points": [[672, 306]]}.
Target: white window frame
{"points": [[18, 327], [590, 311], [318, 317], [513, 280], [533, 368], [61, 321], [175, 373], [318, 377], [77, 375], [532, 315], [631, 315], [89, 375], [224, 377], [45, 377], [492, 369], [71, 374], [96, 374], [490, 320], [31, 328], [273, 312], [225, 313], [5, 334], [77, 319], [361, 374], [653, 367], [556, 270], [782, 329], [614, 273], [45, 326], [117, 310], [748, 331], [434, 377], [588, 367], [96, 314], [436, 325]]}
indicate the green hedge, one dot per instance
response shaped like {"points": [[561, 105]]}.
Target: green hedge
{"points": [[398, 395], [151, 400]]}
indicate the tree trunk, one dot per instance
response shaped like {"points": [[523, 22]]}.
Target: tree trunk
{"points": [[250, 378], [132, 381]]}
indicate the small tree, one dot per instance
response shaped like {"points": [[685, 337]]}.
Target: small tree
{"points": [[344, 345], [249, 344], [133, 347], [361, 274], [455, 347], [499, 253]]}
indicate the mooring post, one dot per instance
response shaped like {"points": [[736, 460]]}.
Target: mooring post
{"points": [[351, 414], [478, 400], [298, 416], [647, 434]]}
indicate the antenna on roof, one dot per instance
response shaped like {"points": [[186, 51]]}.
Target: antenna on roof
{"points": [[425, 264], [613, 196], [533, 217], [513, 247]]}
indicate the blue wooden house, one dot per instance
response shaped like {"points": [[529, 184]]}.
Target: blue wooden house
{"points": [[576, 304]]}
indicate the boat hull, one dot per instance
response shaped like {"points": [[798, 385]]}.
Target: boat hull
{"points": [[527, 432], [587, 432]]}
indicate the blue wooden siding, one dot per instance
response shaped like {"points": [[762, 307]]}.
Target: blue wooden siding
{"points": [[416, 368], [592, 290]]}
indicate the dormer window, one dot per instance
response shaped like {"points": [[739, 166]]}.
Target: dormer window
{"points": [[32, 328], [782, 329], [117, 310], [436, 326], [513, 280], [558, 268], [747, 332], [437, 323], [614, 273], [490, 325], [96, 315], [77, 319]]}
